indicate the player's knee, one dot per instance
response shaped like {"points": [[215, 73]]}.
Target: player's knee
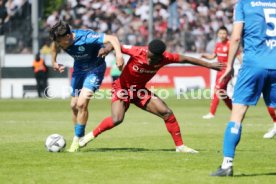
{"points": [[74, 106], [117, 120], [81, 106], [167, 113]]}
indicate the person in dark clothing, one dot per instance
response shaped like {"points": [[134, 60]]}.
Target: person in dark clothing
{"points": [[40, 71]]}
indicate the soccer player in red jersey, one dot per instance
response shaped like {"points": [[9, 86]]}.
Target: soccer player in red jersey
{"points": [[272, 132], [221, 53], [130, 87]]}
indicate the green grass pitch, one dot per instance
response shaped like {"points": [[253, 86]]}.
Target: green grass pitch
{"points": [[139, 151]]}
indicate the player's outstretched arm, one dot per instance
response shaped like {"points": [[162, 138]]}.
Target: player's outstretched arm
{"points": [[199, 62], [208, 56], [116, 45], [105, 50], [55, 65]]}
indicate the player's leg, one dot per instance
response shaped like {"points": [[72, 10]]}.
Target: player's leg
{"points": [[272, 132], [81, 118], [76, 84], [213, 106], [224, 95], [120, 104], [155, 105], [74, 108], [90, 83], [82, 106], [247, 92], [118, 109], [269, 94], [117, 116], [215, 101]]}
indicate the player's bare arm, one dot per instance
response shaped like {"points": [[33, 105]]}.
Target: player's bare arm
{"points": [[105, 50], [116, 45], [209, 56], [234, 47], [199, 62], [55, 65]]}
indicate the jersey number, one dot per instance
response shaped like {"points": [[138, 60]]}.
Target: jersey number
{"points": [[270, 20]]}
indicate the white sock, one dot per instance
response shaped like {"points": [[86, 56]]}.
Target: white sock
{"points": [[274, 126], [76, 138], [89, 136], [227, 162]]}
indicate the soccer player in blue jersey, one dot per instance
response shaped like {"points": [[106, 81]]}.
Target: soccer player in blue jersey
{"points": [[89, 69], [255, 27]]}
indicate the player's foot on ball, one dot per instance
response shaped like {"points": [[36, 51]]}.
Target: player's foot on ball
{"points": [[86, 139], [185, 149], [270, 134], [208, 116], [223, 172], [74, 146]]}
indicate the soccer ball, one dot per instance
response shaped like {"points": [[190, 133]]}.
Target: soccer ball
{"points": [[55, 143]]}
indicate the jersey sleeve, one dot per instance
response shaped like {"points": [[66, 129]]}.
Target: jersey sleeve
{"points": [[95, 38], [239, 12], [171, 57], [129, 49]]}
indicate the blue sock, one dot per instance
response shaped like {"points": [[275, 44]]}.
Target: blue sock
{"points": [[232, 137], [79, 130]]}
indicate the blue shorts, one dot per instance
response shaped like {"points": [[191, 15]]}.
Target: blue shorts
{"points": [[90, 80], [253, 81]]}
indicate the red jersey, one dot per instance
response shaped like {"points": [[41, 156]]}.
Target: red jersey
{"points": [[137, 71], [221, 50]]}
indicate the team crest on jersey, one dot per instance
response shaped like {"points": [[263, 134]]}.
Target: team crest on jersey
{"points": [[81, 48], [224, 49]]}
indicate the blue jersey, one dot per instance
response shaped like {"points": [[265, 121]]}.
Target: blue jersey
{"points": [[259, 32], [84, 50]]}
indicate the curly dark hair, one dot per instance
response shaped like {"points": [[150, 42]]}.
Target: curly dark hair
{"points": [[58, 30], [157, 47]]}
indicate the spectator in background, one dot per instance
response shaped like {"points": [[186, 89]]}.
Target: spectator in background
{"points": [[52, 19], [115, 17], [40, 71], [46, 48]]}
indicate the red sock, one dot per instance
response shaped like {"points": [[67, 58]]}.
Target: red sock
{"points": [[272, 113], [173, 128], [214, 104], [106, 124], [228, 102]]}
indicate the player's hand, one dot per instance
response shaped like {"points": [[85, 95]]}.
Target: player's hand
{"points": [[58, 67], [217, 66], [102, 53], [120, 62], [228, 72]]}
